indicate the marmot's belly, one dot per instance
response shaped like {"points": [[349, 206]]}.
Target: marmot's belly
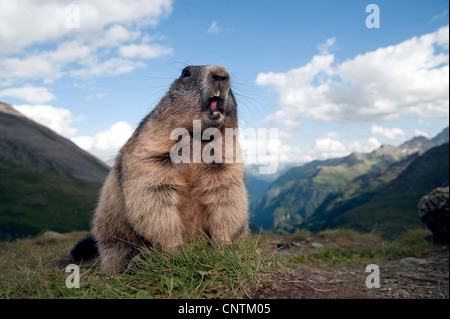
{"points": [[191, 210]]}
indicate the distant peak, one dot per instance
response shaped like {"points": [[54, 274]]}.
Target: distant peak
{"points": [[384, 149], [442, 137], [8, 109]]}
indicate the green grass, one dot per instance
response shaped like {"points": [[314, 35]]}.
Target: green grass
{"points": [[342, 232], [35, 268], [299, 235], [199, 270], [34, 199], [203, 270], [348, 247]]}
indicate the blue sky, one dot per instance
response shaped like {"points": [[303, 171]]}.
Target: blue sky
{"points": [[312, 69]]}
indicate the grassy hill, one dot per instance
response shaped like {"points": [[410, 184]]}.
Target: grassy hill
{"points": [[36, 199], [355, 193], [393, 208], [296, 195], [46, 181], [23, 141], [316, 194]]}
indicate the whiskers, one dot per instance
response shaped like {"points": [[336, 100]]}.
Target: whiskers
{"points": [[248, 101], [156, 92]]}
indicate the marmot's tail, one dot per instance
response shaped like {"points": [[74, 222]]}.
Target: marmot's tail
{"points": [[85, 249]]}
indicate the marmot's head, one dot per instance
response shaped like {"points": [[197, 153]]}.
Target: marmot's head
{"points": [[204, 93]]}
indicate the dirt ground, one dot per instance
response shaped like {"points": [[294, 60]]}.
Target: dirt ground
{"points": [[425, 277]]}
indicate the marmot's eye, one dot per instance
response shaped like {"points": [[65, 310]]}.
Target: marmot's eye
{"points": [[186, 73]]}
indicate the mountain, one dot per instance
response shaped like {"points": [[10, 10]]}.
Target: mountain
{"points": [[319, 191], [25, 141], [421, 143], [46, 181], [295, 195], [442, 137], [355, 193], [392, 208], [256, 186], [416, 144]]}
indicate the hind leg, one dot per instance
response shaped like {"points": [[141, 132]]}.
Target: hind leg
{"points": [[159, 225], [115, 256]]}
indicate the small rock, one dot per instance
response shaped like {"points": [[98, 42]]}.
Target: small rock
{"points": [[434, 212], [319, 278], [335, 281], [413, 262], [49, 235], [389, 267], [287, 244], [383, 290], [284, 245], [316, 245], [405, 294]]}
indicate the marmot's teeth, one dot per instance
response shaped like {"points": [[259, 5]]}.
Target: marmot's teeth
{"points": [[217, 94], [216, 113]]}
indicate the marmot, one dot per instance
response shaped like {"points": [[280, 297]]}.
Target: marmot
{"points": [[149, 199]]}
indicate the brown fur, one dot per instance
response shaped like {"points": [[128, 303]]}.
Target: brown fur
{"points": [[148, 199]]}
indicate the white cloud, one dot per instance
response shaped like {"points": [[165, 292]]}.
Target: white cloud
{"points": [[289, 133], [368, 146], [326, 147], [28, 26], [68, 52], [45, 64], [29, 93], [33, 67], [439, 16], [281, 117], [57, 119], [421, 133], [329, 148], [96, 96], [23, 23], [334, 135], [112, 66], [105, 145], [297, 96], [262, 151], [116, 35], [324, 48], [389, 83], [213, 28], [144, 51], [389, 133]]}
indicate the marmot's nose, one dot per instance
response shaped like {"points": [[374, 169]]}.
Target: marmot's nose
{"points": [[219, 73]]}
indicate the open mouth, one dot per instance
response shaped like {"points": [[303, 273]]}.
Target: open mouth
{"points": [[215, 107]]}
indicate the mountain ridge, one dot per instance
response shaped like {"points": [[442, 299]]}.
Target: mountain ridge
{"points": [[393, 209], [26, 141], [46, 181], [296, 196]]}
